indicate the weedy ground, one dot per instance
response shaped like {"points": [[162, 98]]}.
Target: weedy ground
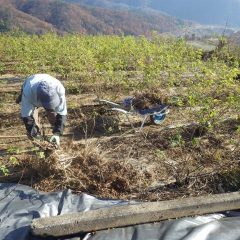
{"points": [[195, 151], [102, 155]]}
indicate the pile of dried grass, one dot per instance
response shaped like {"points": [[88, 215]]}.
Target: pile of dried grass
{"points": [[83, 168]]}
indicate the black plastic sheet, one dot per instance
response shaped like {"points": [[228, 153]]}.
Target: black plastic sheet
{"points": [[20, 204]]}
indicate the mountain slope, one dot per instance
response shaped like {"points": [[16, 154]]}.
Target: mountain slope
{"points": [[10, 16], [202, 11], [39, 16]]}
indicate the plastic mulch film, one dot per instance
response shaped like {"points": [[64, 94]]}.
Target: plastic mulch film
{"points": [[19, 204]]}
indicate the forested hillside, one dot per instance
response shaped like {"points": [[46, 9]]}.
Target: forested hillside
{"points": [[39, 16]]}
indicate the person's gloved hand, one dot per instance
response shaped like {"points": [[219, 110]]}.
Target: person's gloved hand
{"points": [[55, 139], [36, 137]]}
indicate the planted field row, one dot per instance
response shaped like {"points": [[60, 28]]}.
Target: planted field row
{"points": [[101, 64]]}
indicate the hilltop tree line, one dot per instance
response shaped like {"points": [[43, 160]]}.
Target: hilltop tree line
{"points": [[41, 16], [5, 20]]}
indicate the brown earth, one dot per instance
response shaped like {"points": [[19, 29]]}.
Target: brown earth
{"points": [[101, 154]]}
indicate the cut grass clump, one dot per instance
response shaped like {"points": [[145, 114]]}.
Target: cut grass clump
{"points": [[85, 169]]}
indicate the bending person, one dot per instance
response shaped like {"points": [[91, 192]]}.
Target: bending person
{"points": [[43, 90]]}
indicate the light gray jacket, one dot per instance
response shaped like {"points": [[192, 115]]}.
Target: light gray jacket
{"points": [[29, 94]]}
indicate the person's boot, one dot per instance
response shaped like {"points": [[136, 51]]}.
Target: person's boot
{"points": [[19, 99]]}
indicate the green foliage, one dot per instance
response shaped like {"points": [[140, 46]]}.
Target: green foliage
{"points": [[13, 160], [177, 140], [4, 170], [4, 166], [209, 87], [13, 150], [5, 19], [41, 154], [238, 129], [4, 26], [160, 154], [195, 141]]}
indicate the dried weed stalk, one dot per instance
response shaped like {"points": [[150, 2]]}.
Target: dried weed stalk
{"points": [[83, 168]]}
